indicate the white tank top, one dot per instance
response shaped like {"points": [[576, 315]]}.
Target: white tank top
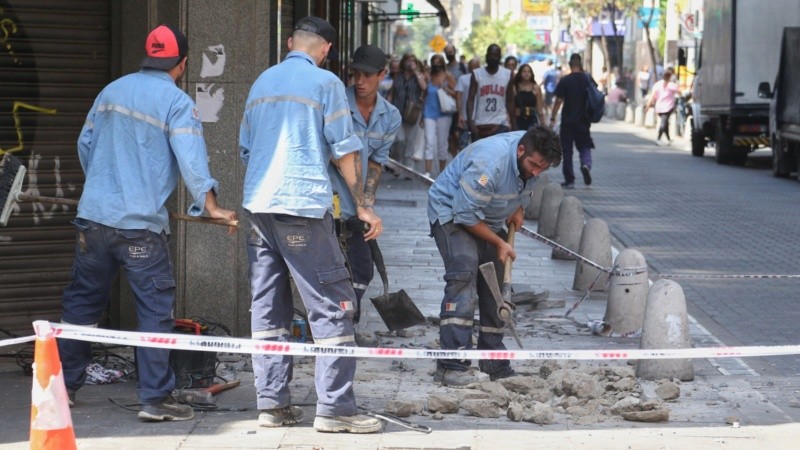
{"points": [[490, 98]]}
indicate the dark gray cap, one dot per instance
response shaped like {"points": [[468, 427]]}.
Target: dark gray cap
{"points": [[369, 59], [320, 27]]}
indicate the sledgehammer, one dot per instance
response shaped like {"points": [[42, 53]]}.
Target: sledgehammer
{"points": [[12, 173], [205, 396]]}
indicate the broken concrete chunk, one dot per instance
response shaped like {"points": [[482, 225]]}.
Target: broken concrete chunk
{"points": [[656, 415], [668, 391], [514, 411], [627, 404], [539, 413], [581, 385], [486, 408], [401, 408], [523, 384], [443, 403], [495, 390]]}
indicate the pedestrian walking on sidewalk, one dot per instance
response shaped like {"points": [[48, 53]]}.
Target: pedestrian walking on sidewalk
{"points": [[141, 136], [297, 121], [435, 122], [489, 101], [528, 102], [664, 98], [483, 189], [376, 123], [408, 96], [574, 130]]}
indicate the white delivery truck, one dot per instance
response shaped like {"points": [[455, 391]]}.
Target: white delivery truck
{"points": [[740, 48]]}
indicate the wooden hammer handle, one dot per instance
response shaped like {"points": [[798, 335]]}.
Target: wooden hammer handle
{"points": [[512, 231], [22, 197]]}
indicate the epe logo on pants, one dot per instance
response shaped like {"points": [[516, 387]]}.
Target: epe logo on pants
{"points": [[137, 252]]}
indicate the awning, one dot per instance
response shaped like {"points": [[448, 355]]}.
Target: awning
{"points": [[444, 21]]}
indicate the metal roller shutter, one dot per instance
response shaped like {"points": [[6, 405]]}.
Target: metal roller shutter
{"points": [[54, 57]]}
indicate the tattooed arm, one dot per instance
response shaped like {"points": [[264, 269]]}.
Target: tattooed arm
{"points": [[350, 168], [373, 178]]}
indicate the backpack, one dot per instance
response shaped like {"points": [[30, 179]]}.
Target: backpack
{"points": [[595, 101]]}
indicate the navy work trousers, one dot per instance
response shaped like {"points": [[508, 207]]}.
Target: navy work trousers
{"points": [[144, 256], [306, 248], [362, 268], [577, 135], [462, 253]]}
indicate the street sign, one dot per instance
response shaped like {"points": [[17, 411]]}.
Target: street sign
{"points": [[540, 22], [438, 43], [644, 13], [536, 6]]}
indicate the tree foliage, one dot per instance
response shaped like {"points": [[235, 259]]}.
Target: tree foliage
{"points": [[501, 32]]}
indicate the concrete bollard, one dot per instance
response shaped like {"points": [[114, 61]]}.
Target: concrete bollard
{"points": [[596, 246], [619, 112], [665, 326], [627, 293], [639, 116], [630, 113], [569, 226], [548, 215], [535, 206], [650, 118]]}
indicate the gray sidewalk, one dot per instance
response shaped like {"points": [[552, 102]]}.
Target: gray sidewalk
{"points": [[721, 389]]}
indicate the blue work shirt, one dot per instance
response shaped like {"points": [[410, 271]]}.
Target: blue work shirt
{"points": [[142, 133], [376, 137], [481, 183], [296, 119]]}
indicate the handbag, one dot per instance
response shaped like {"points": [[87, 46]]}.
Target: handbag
{"points": [[447, 104], [411, 111]]}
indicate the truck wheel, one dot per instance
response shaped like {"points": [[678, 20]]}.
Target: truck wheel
{"points": [[698, 142], [727, 153], [779, 163], [724, 144]]}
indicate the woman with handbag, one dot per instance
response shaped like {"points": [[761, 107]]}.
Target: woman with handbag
{"points": [[528, 102], [440, 104], [407, 95]]}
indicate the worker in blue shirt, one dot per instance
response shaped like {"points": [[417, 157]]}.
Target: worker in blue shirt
{"points": [[485, 187], [142, 134], [376, 122], [297, 121]]}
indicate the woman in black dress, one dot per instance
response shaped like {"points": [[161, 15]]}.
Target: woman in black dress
{"points": [[528, 103]]}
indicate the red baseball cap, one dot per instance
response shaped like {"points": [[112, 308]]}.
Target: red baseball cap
{"points": [[165, 48]]}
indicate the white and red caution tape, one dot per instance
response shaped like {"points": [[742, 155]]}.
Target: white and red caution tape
{"points": [[16, 341], [254, 346]]}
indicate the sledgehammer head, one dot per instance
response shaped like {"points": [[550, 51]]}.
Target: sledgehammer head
{"points": [[195, 397]]}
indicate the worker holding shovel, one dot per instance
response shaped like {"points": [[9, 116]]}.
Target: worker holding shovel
{"points": [[486, 186], [375, 122]]}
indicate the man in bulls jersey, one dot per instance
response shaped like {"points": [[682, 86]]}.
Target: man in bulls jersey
{"points": [[490, 99]]}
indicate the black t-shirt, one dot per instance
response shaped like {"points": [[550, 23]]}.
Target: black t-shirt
{"points": [[572, 89]]}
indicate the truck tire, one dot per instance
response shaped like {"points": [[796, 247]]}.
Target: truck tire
{"points": [[779, 162], [727, 153], [698, 142]]}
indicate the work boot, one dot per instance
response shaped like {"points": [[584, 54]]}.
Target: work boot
{"points": [[496, 369], [357, 423], [278, 417], [166, 409], [457, 378]]}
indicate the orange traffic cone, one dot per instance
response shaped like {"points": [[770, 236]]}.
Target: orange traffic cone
{"points": [[51, 422]]}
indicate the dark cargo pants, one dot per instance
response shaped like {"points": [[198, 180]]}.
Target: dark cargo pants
{"points": [[462, 253], [144, 256]]}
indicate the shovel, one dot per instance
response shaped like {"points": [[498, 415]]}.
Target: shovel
{"points": [[396, 308]]}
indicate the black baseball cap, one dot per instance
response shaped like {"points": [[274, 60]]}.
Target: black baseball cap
{"points": [[165, 48], [369, 59], [320, 27]]}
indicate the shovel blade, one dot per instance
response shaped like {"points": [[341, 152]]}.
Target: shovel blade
{"points": [[398, 311]]}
